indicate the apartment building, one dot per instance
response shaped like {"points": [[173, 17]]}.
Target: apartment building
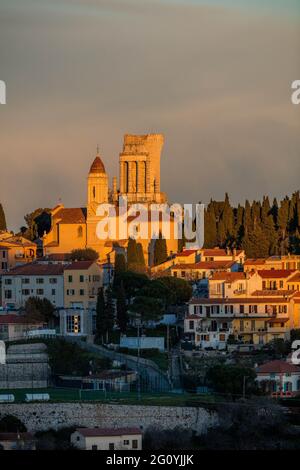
{"points": [[15, 251], [82, 280], [202, 269], [256, 319], [33, 280]]}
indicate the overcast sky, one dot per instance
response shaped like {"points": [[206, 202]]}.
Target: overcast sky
{"points": [[213, 76]]}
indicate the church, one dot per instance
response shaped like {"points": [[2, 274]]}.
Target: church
{"points": [[139, 182]]}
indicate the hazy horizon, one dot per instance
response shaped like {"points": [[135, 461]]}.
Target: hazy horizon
{"points": [[214, 77]]}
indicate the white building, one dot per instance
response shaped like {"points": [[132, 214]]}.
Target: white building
{"points": [[279, 378], [107, 439], [33, 280]]}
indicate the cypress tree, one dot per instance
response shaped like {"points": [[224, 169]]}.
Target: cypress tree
{"points": [[122, 315], [3, 226], [100, 312], [160, 250], [120, 268]]}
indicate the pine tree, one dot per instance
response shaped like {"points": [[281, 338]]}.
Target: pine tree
{"points": [[3, 226]]}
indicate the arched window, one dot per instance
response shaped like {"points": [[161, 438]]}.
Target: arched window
{"points": [[80, 232]]}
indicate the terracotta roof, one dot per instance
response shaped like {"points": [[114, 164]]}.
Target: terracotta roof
{"points": [[79, 265], [186, 253], [93, 432], [255, 261], [205, 265], [97, 166], [275, 273], [55, 257], [16, 319], [295, 278], [75, 215], [237, 300], [279, 367], [14, 436], [35, 269], [228, 277]]}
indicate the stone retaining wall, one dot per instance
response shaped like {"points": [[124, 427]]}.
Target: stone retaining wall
{"points": [[42, 416]]}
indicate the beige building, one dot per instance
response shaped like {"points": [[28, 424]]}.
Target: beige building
{"points": [[15, 251], [139, 183], [82, 280], [107, 439]]}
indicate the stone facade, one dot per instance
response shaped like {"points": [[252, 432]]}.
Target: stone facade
{"points": [[26, 367], [42, 416]]}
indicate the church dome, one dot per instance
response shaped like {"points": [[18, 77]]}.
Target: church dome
{"points": [[97, 166]]}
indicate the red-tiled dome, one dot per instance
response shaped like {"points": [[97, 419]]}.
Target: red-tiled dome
{"points": [[97, 166]]}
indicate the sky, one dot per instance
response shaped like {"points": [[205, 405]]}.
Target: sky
{"points": [[213, 76]]}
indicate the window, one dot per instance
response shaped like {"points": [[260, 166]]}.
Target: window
{"points": [[252, 325], [242, 308], [281, 284], [4, 254], [134, 444], [4, 265], [94, 447], [53, 280], [25, 280], [81, 278], [126, 442], [191, 324], [8, 282], [70, 292], [222, 337], [40, 280], [78, 438], [53, 291], [81, 292], [70, 278], [8, 294], [80, 232], [40, 291], [111, 446], [96, 278], [25, 291]]}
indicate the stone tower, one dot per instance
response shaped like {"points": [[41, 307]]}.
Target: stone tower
{"points": [[140, 168], [97, 185]]}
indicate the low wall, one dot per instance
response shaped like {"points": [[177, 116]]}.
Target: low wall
{"points": [[42, 416]]}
